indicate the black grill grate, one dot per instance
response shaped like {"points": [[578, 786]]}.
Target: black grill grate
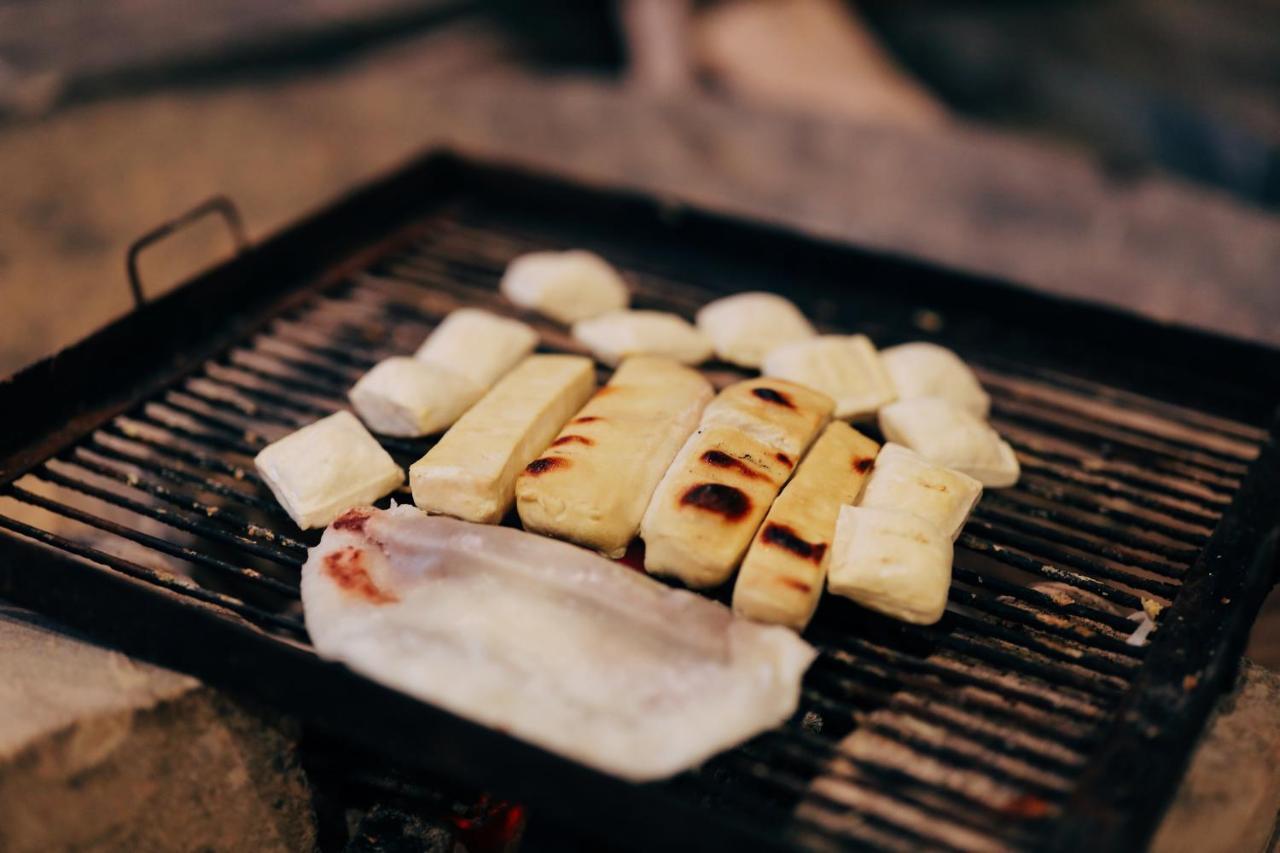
{"points": [[973, 734]]}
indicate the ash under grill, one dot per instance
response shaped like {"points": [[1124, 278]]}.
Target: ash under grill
{"points": [[974, 734]]}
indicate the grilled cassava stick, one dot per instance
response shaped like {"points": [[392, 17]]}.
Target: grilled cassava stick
{"points": [[713, 497], [783, 574], [471, 473], [591, 486]]}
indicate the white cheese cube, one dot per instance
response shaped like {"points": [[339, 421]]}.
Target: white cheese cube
{"points": [[565, 286], [847, 369], [902, 480], [616, 335], [893, 562], [325, 468], [952, 437], [406, 397], [478, 345], [743, 328], [922, 369]]}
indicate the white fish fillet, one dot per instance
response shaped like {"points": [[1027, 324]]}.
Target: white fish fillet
{"points": [[545, 640]]}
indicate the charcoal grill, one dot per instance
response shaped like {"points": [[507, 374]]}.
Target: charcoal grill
{"points": [[1024, 720]]}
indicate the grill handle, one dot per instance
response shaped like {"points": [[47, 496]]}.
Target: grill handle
{"points": [[218, 204]]}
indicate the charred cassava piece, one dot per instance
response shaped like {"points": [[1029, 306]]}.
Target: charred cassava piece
{"points": [[782, 414], [549, 642], [591, 486], [713, 497], [471, 473], [783, 574]]}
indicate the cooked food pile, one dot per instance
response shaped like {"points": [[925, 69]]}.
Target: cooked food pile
{"points": [[549, 642], [766, 478]]}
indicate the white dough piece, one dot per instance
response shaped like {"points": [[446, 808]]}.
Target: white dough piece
{"points": [[902, 480], [845, 368], [613, 336], [406, 397], [546, 641], [949, 436], [471, 472], [744, 327], [893, 562], [922, 369], [565, 286], [480, 345], [325, 468]]}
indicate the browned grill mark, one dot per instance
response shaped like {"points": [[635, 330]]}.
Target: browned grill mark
{"points": [[863, 464], [545, 464], [720, 459], [346, 567], [795, 583], [785, 537], [573, 439], [353, 519], [784, 459], [586, 419], [605, 391], [937, 487], [723, 500], [770, 395]]}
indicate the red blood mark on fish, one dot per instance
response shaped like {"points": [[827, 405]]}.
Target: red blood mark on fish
{"points": [[346, 567], [784, 537], [573, 439], [795, 583], [586, 419], [770, 395], [353, 519], [784, 459], [720, 499], [721, 459], [863, 464], [545, 464]]}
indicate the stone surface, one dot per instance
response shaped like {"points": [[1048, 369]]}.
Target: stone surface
{"points": [[1229, 800], [99, 752]]}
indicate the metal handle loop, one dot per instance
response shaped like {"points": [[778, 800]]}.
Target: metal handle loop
{"points": [[219, 204]]}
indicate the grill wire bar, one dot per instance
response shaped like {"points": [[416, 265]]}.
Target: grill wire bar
{"points": [[968, 735]]}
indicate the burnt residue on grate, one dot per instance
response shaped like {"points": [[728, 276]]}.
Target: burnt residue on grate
{"points": [[971, 734]]}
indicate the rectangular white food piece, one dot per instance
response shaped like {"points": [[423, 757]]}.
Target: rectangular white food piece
{"points": [[546, 641], [744, 327], [565, 286], [613, 336], [325, 468], [783, 574], [893, 562], [406, 397], [902, 480], [709, 504], [783, 415], [477, 344], [922, 369], [949, 436], [591, 486], [471, 472], [845, 368]]}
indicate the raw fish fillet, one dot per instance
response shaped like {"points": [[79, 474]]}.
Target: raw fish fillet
{"points": [[547, 641]]}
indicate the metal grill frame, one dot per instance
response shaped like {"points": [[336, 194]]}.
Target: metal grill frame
{"points": [[1131, 774]]}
